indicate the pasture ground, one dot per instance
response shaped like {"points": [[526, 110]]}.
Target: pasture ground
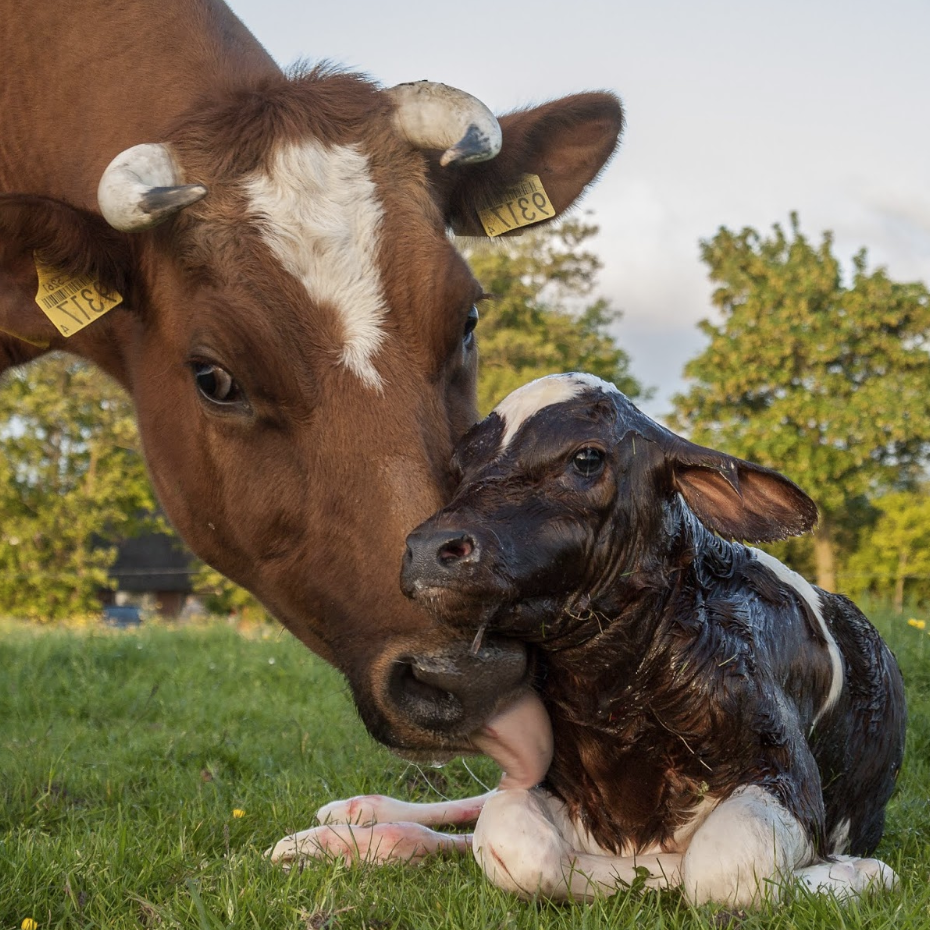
{"points": [[126, 756]]}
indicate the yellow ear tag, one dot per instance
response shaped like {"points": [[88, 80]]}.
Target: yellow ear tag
{"points": [[71, 301], [522, 205]]}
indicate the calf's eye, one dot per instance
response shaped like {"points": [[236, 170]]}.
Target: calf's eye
{"points": [[216, 384], [588, 462]]}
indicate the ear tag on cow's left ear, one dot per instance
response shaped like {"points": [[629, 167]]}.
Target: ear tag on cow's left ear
{"points": [[523, 204], [71, 302]]}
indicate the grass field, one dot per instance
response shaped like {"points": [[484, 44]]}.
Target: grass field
{"points": [[125, 758]]}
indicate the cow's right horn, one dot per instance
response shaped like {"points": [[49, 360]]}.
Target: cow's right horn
{"points": [[436, 116], [140, 188]]}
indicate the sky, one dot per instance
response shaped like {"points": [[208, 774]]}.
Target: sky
{"points": [[737, 114]]}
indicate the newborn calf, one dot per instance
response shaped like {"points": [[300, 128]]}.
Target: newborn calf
{"points": [[718, 722]]}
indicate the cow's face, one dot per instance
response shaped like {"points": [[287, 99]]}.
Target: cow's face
{"points": [[569, 508], [300, 345]]}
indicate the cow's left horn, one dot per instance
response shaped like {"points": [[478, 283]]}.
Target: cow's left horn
{"points": [[140, 188], [436, 116]]}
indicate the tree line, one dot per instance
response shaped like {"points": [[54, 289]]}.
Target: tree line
{"points": [[825, 379]]}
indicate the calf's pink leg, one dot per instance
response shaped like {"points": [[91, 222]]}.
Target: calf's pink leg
{"points": [[376, 808], [405, 842]]}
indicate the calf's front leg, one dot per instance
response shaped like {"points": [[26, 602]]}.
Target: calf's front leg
{"points": [[377, 808], [373, 844], [372, 828], [524, 842]]}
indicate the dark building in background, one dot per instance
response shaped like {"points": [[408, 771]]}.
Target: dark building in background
{"points": [[154, 571]]}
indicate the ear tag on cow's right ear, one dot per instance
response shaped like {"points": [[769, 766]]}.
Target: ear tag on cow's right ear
{"points": [[523, 204], [71, 302]]}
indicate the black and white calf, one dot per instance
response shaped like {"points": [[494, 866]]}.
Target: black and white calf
{"points": [[716, 719]]}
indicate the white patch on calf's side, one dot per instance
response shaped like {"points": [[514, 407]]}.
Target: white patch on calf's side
{"points": [[806, 591], [318, 211], [518, 406]]}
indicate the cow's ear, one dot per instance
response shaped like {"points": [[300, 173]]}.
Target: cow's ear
{"points": [[565, 143], [75, 241], [737, 499]]}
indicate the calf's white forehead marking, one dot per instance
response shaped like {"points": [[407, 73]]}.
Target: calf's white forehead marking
{"points": [[318, 211], [518, 406], [806, 590]]}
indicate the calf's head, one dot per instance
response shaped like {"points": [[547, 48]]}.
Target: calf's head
{"points": [[297, 337], [570, 501]]}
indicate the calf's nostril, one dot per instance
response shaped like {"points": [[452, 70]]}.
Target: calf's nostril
{"points": [[455, 550]]}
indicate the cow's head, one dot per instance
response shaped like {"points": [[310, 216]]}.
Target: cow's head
{"points": [[297, 337], [569, 509]]}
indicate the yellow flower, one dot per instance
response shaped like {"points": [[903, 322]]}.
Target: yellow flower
{"points": [[29, 924], [917, 624], [238, 812]]}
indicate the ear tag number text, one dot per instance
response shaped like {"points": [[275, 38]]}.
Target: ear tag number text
{"points": [[522, 205], [71, 302]]}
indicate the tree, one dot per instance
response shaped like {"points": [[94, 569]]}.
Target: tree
{"points": [[537, 321], [893, 558], [825, 382], [71, 475]]}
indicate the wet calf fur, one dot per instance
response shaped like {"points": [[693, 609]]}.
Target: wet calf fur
{"points": [[694, 683], [718, 721]]}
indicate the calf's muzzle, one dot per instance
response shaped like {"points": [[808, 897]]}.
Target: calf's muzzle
{"points": [[437, 557]]}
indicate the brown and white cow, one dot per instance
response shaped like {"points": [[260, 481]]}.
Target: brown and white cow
{"points": [[296, 327]]}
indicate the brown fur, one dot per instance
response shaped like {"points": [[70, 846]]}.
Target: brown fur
{"points": [[305, 491]]}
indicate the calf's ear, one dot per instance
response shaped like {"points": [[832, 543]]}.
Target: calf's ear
{"points": [[565, 142], [739, 500]]}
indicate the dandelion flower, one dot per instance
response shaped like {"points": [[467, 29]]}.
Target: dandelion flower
{"points": [[917, 624], [238, 812], [28, 924]]}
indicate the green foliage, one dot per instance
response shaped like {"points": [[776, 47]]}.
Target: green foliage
{"points": [[538, 321], [225, 598], [71, 474], [827, 383], [893, 557]]}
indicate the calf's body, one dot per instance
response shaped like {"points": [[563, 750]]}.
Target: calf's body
{"points": [[716, 719]]}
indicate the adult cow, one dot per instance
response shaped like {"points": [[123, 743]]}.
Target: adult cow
{"points": [[295, 327]]}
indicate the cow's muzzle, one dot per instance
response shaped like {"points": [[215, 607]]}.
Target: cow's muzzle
{"points": [[433, 694]]}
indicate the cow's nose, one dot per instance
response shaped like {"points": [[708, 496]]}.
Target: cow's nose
{"points": [[435, 556]]}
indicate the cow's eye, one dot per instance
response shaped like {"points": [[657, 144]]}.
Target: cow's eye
{"points": [[216, 384], [588, 462], [471, 321]]}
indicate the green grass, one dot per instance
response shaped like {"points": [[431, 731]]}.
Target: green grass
{"points": [[124, 754]]}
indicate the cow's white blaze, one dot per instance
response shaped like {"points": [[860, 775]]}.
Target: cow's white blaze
{"points": [[318, 211], [806, 590], [518, 406]]}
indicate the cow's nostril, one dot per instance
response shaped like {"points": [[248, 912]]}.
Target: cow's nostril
{"points": [[455, 550]]}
